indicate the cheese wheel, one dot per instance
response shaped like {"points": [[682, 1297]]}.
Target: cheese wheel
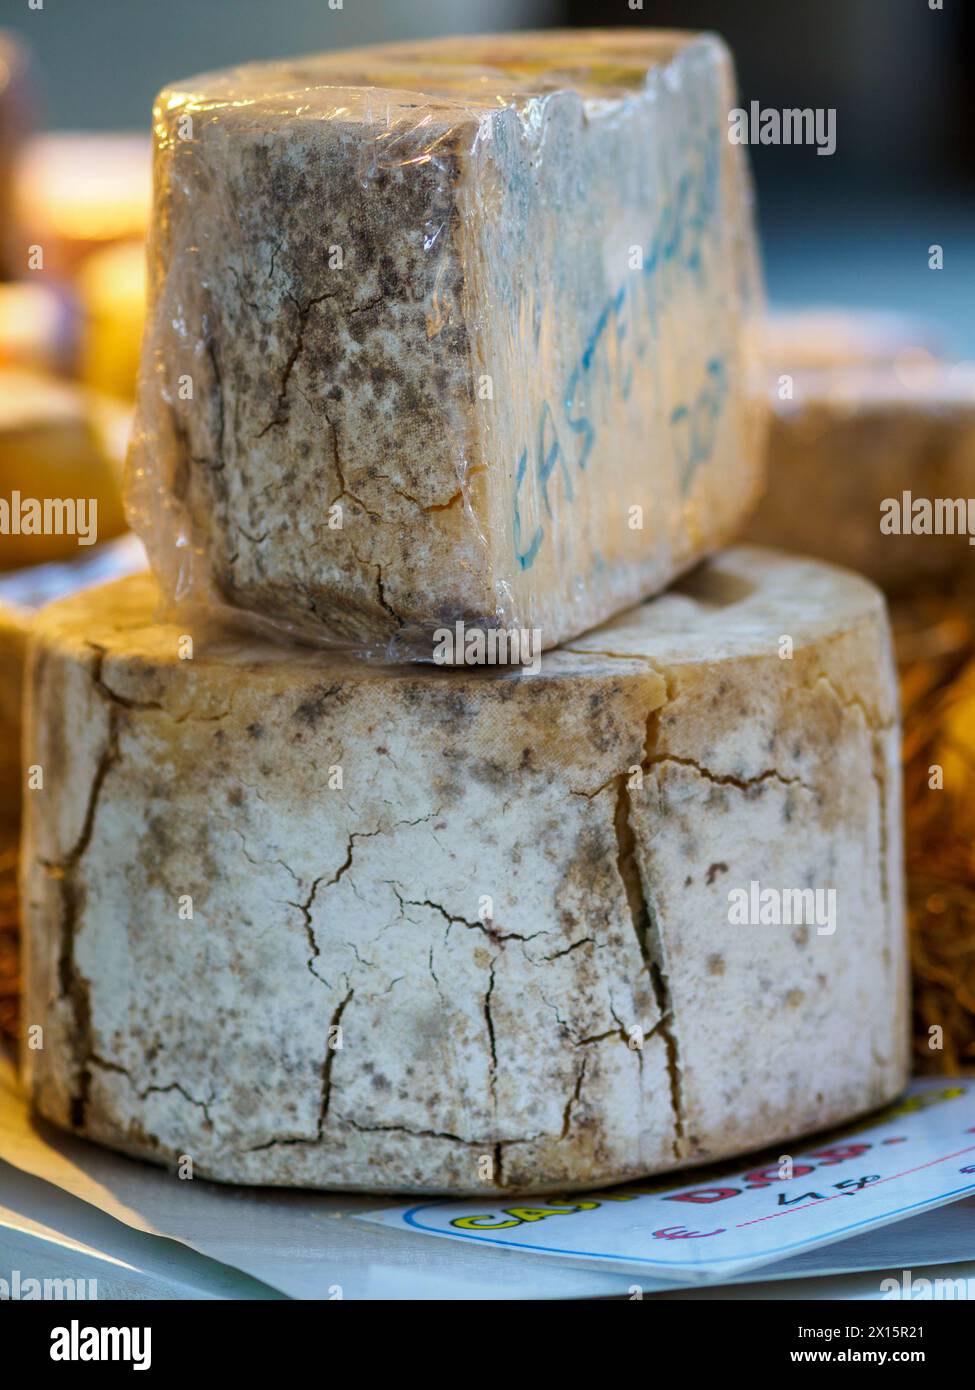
{"points": [[22, 592], [61, 449], [394, 379], [319, 924], [871, 456]]}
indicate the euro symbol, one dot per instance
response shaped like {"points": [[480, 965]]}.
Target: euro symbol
{"points": [[682, 1233]]}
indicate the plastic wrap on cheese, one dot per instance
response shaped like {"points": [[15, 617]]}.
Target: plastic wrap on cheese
{"points": [[453, 333]]}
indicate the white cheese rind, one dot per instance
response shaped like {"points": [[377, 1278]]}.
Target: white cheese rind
{"points": [[487, 908], [22, 593], [376, 271]]}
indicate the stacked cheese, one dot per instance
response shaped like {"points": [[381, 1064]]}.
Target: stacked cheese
{"points": [[459, 333]]}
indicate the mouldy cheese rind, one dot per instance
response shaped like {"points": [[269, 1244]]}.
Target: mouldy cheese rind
{"points": [[22, 593], [489, 297], [430, 973]]}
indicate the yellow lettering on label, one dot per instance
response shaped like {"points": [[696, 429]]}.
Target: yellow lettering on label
{"points": [[536, 1213], [482, 1223]]}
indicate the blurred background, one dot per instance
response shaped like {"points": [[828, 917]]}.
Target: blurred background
{"points": [[853, 227]]}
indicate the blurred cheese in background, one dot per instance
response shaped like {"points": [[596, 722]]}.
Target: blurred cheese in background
{"points": [[954, 752], [59, 441], [38, 326], [83, 201], [829, 336], [877, 409], [938, 699], [17, 115], [112, 291], [864, 410], [75, 193]]}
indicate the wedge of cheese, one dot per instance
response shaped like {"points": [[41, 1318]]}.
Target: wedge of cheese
{"points": [[458, 331], [871, 455], [314, 923]]}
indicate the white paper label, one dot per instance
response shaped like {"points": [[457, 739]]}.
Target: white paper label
{"points": [[914, 1155]]}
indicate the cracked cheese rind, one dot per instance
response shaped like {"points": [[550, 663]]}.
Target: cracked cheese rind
{"points": [[22, 593], [486, 296], [519, 877]]}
